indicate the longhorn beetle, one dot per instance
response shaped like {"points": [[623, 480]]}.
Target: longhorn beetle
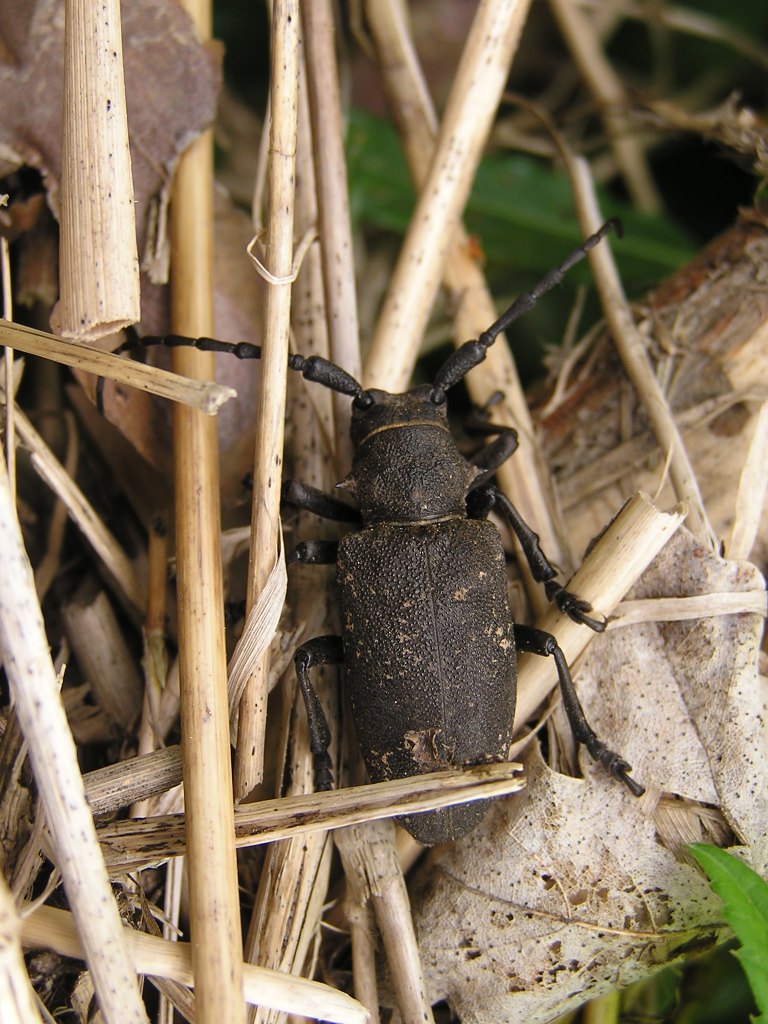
{"points": [[428, 643]]}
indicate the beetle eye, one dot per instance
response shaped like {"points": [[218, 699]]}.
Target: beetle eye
{"points": [[363, 401]]}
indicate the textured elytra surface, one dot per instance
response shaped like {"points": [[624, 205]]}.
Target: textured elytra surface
{"points": [[573, 887], [428, 647]]}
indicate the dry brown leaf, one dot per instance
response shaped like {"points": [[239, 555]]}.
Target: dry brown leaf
{"points": [[171, 84], [568, 890]]}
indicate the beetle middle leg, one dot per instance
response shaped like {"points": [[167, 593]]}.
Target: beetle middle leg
{"points": [[487, 497], [537, 641], [322, 650]]}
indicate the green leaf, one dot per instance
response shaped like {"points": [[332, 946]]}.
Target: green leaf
{"points": [[520, 209], [745, 907]]}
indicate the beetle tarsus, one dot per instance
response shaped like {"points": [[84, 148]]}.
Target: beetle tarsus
{"points": [[573, 606], [618, 768]]}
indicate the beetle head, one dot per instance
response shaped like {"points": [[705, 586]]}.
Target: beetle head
{"points": [[407, 467]]}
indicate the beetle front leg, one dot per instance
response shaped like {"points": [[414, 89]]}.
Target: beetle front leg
{"points": [[323, 650], [327, 506], [495, 454], [537, 641], [481, 501]]}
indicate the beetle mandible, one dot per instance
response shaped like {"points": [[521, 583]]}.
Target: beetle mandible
{"points": [[428, 644]]}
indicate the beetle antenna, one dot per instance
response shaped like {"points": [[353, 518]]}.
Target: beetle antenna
{"points": [[312, 368], [468, 355]]}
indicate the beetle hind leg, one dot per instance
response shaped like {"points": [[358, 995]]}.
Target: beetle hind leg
{"points": [[323, 650], [537, 641]]}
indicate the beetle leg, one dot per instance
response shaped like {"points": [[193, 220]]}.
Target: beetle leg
{"points": [[323, 650], [311, 499], [536, 641], [488, 496], [496, 453]]}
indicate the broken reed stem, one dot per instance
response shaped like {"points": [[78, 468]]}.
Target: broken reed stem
{"points": [[49, 566], [684, 609], [99, 261], [368, 854], [17, 997], [612, 567], [214, 905], [135, 844], [102, 654], [208, 396], [750, 497], [270, 411], [475, 94], [333, 208], [50, 928], [524, 479], [359, 917], [52, 753], [118, 566], [631, 347], [137, 778], [579, 33]]}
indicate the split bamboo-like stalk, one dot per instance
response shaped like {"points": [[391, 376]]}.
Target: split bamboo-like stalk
{"points": [[99, 260], [149, 734], [524, 479], [474, 97], [8, 356], [214, 906], [368, 854], [53, 756], [137, 778], [613, 566], [270, 413], [134, 844], [207, 396], [50, 928]]}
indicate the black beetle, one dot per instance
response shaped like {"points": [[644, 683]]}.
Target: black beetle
{"points": [[428, 645]]}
